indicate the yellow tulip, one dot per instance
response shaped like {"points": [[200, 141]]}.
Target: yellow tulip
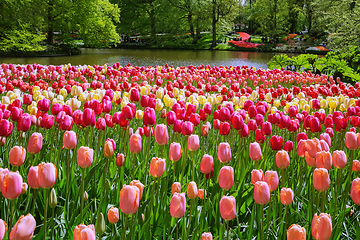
{"points": [[218, 99], [211, 100], [159, 105], [236, 100], [202, 100], [139, 114], [306, 107], [276, 103], [176, 92], [268, 97], [323, 103], [159, 93], [63, 92], [144, 90]]}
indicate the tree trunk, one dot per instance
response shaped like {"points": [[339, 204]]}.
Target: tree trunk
{"points": [[152, 24], [191, 25], [213, 44], [50, 31]]}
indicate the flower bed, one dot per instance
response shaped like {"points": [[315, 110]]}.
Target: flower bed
{"points": [[190, 152]]}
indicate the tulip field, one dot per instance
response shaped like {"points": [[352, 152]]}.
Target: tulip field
{"points": [[197, 152]]}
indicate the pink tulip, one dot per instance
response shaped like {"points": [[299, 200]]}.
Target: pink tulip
{"points": [[178, 205], [17, 156], [282, 159], [272, 179], [35, 143], [85, 157], [261, 192], [129, 199], [175, 188], [224, 152], [175, 151], [83, 232], [206, 164], [109, 148], [24, 228], [226, 177], [193, 142], [352, 140], [321, 226], [206, 236], [157, 167], [47, 175], [3, 229], [69, 140], [161, 134], [355, 191], [255, 151], [33, 177], [139, 185], [11, 185], [356, 165], [339, 159], [135, 143], [228, 207]]}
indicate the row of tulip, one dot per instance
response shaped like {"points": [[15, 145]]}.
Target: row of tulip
{"points": [[113, 141]]}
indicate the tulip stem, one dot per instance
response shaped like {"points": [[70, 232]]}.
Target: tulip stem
{"points": [[11, 215], [269, 214], [193, 165], [45, 211], [282, 177], [98, 145], [174, 171], [323, 201], [82, 193], [191, 206], [337, 191], [147, 157], [285, 223], [67, 185], [184, 160], [177, 229], [262, 223], [124, 229], [227, 235], [52, 223], [33, 203]]}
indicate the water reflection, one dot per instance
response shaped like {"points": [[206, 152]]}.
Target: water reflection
{"points": [[147, 57]]}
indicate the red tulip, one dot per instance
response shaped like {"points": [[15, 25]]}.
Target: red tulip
{"points": [[276, 142]]}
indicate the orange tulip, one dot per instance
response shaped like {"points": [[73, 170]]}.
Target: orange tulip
{"points": [[192, 190], [157, 167], [321, 226], [323, 160], [272, 179], [17, 156], [139, 185], [282, 159], [296, 232], [286, 196], [202, 193], [109, 148], [256, 175], [24, 228], [113, 215], [356, 166], [321, 179], [83, 232], [129, 199], [311, 162], [176, 188]]}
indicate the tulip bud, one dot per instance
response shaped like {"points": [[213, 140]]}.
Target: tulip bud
{"points": [[100, 224], [85, 196], [24, 188], [120, 159], [52, 198]]}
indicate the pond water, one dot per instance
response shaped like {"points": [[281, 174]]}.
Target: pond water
{"points": [[152, 57]]}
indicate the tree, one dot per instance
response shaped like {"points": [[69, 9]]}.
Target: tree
{"points": [[224, 10]]}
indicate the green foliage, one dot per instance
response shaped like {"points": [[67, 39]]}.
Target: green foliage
{"points": [[343, 65], [21, 41]]}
